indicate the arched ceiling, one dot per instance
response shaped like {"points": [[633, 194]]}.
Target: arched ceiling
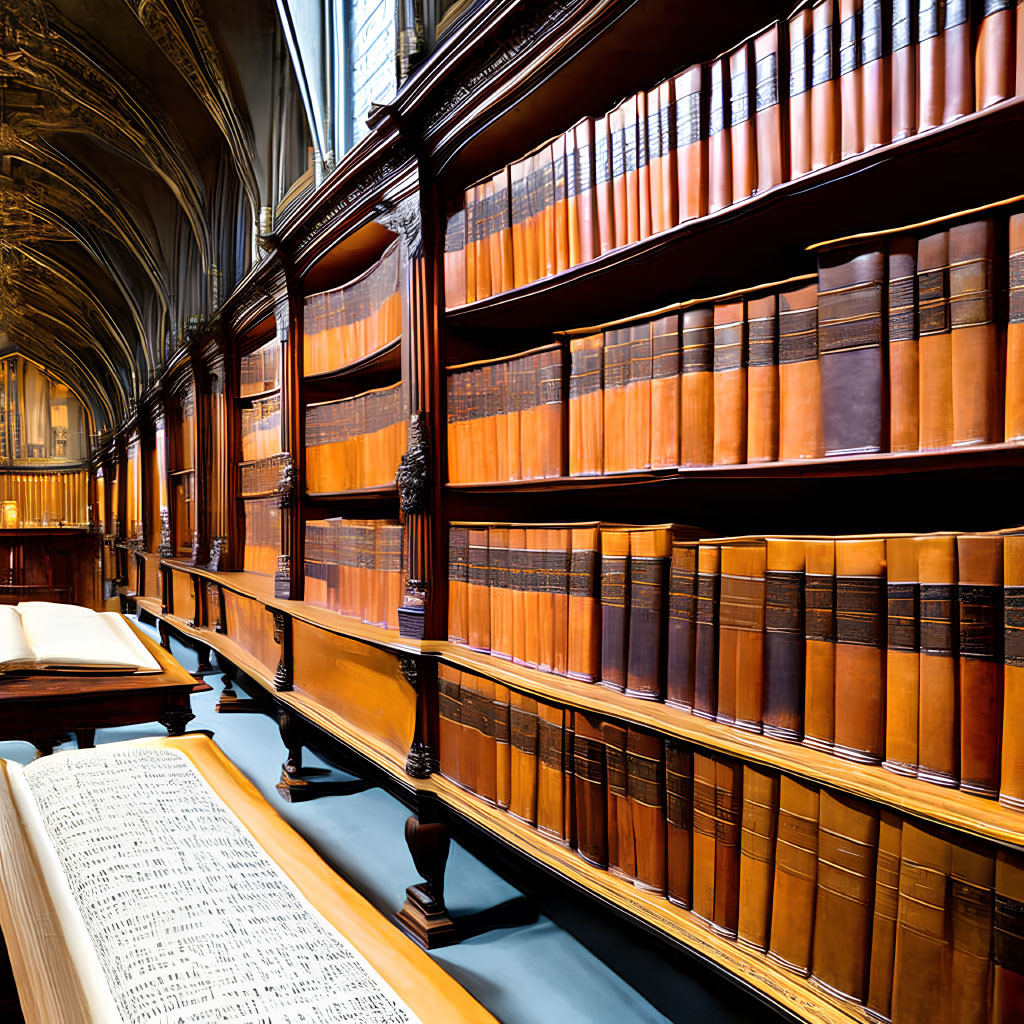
{"points": [[130, 171]]}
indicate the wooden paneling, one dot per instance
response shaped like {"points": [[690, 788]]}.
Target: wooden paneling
{"points": [[183, 595], [251, 626], [151, 584]]}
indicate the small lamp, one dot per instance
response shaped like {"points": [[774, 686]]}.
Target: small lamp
{"points": [[10, 515]]}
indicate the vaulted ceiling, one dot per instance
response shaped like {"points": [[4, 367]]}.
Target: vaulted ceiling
{"points": [[135, 154]]}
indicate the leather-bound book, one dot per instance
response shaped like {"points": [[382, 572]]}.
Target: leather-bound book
{"points": [[851, 287], [762, 380], [847, 848], [643, 165], [546, 209], [972, 878], [620, 181], [514, 417], [618, 347], [757, 856], [875, 74], [979, 596], [603, 200], [958, 50], [903, 65], [568, 784], [851, 106], [550, 771], [500, 592], [904, 371], [523, 731], [883, 924], [920, 988], [705, 678], [679, 821], [728, 815], [1014, 421], [935, 346], [938, 741], [719, 137], [470, 738], [615, 586], [590, 789], [478, 601], [931, 64], [584, 605], [860, 650], [682, 626], [824, 90], [784, 654], [455, 260], [801, 35], [645, 768], [519, 207], [800, 416], [586, 406], [559, 553], [481, 723], [730, 384], [550, 411], [1011, 782], [536, 638], [502, 271], [665, 392], [471, 243], [704, 836], [902, 659], [631, 153], [582, 211], [994, 54], [449, 713], [483, 209], [741, 635], [560, 204], [696, 387], [691, 141], [502, 747], [621, 846], [771, 148], [661, 157], [796, 876], [498, 421], [458, 583], [1008, 939], [650, 553], [519, 573], [741, 121], [975, 337], [638, 398]]}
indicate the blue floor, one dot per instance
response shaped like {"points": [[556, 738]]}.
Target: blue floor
{"points": [[528, 974]]}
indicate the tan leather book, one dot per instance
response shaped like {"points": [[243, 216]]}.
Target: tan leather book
{"points": [[470, 736], [762, 379], [1014, 419], [478, 719], [582, 211], [704, 785], [860, 650], [661, 156], [615, 592], [618, 144], [454, 268], [796, 876], [665, 391], [902, 660], [824, 90], [720, 189], [958, 50], [903, 65], [534, 580], [617, 355], [603, 199], [643, 168], [471, 243], [875, 75], [500, 592], [801, 35], [632, 113], [682, 626], [586, 406], [883, 925], [972, 878], [482, 208], [458, 582], [1008, 938], [590, 802], [560, 204], [650, 553], [936, 343], [1011, 784], [705, 684], [621, 846], [757, 856], [645, 767], [559, 553], [800, 414], [551, 755], [638, 397], [784, 644], [691, 144], [768, 105], [696, 387], [584, 605], [449, 711], [519, 212], [851, 100], [519, 574], [728, 815], [550, 412], [542, 208], [502, 271], [847, 849], [730, 383], [741, 121], [478, 601], [679, 821], [904, 369], [994, 54], [741, 635], [931, 64], [502, 746], [523, 730]]}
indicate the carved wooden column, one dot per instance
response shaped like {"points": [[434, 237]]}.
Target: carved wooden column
{"points": [[288, 320], [212, 453]]}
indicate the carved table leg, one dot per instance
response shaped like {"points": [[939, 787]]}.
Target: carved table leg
{"points": [[165, 635], [290, 785], [424, 916], [203, 654], [230, 702], [86, 738], [176, 715]]}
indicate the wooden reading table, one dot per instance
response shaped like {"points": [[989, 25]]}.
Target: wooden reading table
{"points": [[43, 708]]}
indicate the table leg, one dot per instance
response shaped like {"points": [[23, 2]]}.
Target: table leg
{"points": [[86, 738], [176, 715]]}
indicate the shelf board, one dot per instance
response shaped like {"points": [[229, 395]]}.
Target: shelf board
{"points": [[268, 393], [356, 494], [883, 188], [385, 360]]}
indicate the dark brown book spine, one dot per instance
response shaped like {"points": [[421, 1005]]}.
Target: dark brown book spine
{"points": [[784, 640], [728, 816], [679, 821], [682, 626], [1008, 938], [649, 564], [590, 789], [614, 608], [621, 846], [645, 766], [883, 924], [705, 687]]}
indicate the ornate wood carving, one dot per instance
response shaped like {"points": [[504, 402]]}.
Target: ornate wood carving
{"points": [[218, 553], [283, 577], [414, 468], [424, 915], [283, 638]]}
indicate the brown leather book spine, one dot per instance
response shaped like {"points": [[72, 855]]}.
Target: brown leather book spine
{"points": [[590, 789], [847, 849], [696, 388], [631, 156], [586, 406], [449, 711], [691, 141], [502, 272], [935, 346], [931, 64], [545, 210], [615, 588], [979, 596], [482, 723], [682, 626], [679, 821], [470, 740], [638, 398], [719, 137], [824, 91], [705, 684], [550, 771], [559, 548], [617, 430], [1008, 939], [478, 602], [661, 155], [458, 583], [975, 336], [784, 654], [502, 746], [603, 199], [902, 659], [972, 878], [772, 150], [903, 64], [650, 553], [851, 121], [471, 243], [757, 856], [762, 380], [550, 413], [741, 636], [744, 147], [904, 371], [645, 767], [994, 54], [728, 815], [883, 925], [938, 725], [586, 220], [518, 577], [501, 594], [704, 837], [958, 50], [730, 384], [617, 145], [1014, 419], [860, 650], [454, 265], [796, 876], [875, 74], [643, 166], [560, 204], [800, 415], [540, 607], [621, 846], [584, 606], [1011, 784], [483, 209], [801, 35], [665, 392], [920, 989], [523, 731]]}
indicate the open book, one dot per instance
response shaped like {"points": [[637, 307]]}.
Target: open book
{"points": [[39, 636]]}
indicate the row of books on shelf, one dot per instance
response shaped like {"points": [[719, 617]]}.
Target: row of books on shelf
{"points": [[903, 342], [354, 567], [261, 429], [265, 476], [356, 442], [260, 369], [913, 922], [882, 649], [505, 418], [839, 78], [346, 324], [263, 538]]}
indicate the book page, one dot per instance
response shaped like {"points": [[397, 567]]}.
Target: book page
{"points": [[101, 639], [190, 918], [14, 646]]}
